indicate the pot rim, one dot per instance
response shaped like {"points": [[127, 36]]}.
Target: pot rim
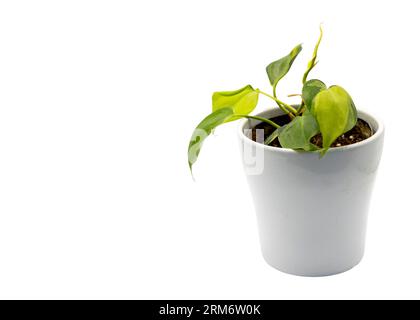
{"points": [[375, 124]]}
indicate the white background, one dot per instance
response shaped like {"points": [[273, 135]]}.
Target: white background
{"points": [[97, 102]]}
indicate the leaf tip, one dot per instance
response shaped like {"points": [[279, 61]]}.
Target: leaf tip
{"points": [[298, 48], [323, 152], [191, 171]]}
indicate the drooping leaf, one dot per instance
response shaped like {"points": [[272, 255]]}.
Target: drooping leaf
{"points": [[310, 89], [312, 63], [279, 68], [203, 130], [242, 101], [335, 113], [227, 106], [298, 133]]}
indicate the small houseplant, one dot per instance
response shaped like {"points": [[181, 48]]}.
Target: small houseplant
{"points": [[312, 180]]}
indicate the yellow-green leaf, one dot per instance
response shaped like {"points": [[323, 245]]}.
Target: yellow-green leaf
{"points": [[242, 101], [335, 113], [312, 63]]}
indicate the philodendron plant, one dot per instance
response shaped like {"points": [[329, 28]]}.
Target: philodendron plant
{"points": [[328, 111]]}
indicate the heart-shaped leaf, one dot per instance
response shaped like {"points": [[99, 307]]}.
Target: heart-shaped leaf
{"points": [[312, 63], [335, 113], [278, 69], [310, 89], [242, 101], [298, 133], [203, 130]]}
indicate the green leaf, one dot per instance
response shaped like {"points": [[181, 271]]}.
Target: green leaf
{"points": [[310, 89], [203, 130], [242, 101], [274, 135], [312, 63], [298, 133], [335, 113], [278, 69]]}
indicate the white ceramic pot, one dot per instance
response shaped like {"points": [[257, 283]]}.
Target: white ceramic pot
{"points": [[311, 211]]}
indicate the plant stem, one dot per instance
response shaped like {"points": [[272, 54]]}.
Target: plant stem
{"points": [[291, 109], [300, 109], [275, 125], [284, 106]]}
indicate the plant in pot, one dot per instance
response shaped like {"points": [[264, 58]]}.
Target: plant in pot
{"points": [[310, 168]]}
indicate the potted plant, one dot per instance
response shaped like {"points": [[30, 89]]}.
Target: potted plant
{"points": [[310, 168]]}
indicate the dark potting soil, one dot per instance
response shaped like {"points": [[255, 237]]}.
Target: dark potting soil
{"points": [[360, 132]]}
